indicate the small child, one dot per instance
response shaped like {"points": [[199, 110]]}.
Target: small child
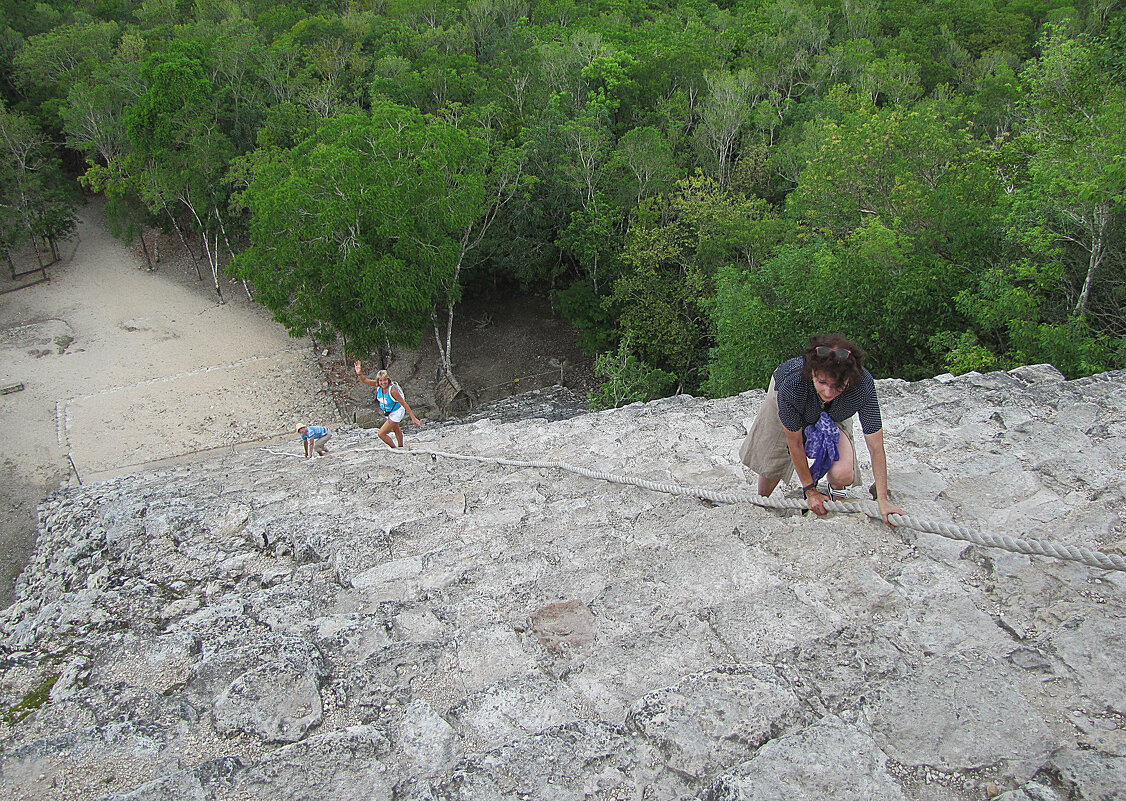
{"points": [[314, 439]]}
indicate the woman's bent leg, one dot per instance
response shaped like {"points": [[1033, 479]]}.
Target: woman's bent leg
{"points": [[765, 450], [841, 473]]}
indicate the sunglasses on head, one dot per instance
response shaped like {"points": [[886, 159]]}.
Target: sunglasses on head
{"points": [[823, 351]]}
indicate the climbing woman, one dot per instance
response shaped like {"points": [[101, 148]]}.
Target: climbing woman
{"points": [[811, 400], [392, 403]]}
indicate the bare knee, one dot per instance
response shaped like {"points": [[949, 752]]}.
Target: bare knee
{"points": [[841, 475]]}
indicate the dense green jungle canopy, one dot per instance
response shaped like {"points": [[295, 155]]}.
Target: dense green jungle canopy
{"points": [[702, 184]]}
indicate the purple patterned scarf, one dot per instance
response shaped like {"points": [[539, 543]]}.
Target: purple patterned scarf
{"points": [[821, 440]]}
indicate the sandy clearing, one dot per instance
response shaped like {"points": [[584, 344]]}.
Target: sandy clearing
{"points": [[123, 367]]}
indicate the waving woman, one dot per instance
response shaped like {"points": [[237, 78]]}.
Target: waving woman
{"points": [[392, 403]]}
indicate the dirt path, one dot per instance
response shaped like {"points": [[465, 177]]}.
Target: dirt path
{"points": [[122, 366]]}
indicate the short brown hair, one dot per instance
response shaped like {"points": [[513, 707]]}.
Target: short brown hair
{"points": [[843, 373]]}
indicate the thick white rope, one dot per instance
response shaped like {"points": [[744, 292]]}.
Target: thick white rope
{"points": [[949, 530]]}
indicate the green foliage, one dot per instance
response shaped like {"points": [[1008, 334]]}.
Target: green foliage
{"points": [[711, 180], [590, 313], [356, 230], [1012, 326], [873, 284], [674, 249], [962, 353], [285, 125], [50, 61], [661, 312], [591, 237], [906, 166], [645, 163], [627, 379], [1074, 145], [176, 103], [36, 201], [762, 317]]}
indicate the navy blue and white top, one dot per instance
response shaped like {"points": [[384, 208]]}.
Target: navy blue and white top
{"points": [[799, 405]]}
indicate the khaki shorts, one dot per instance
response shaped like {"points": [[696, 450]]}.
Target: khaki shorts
{"points": [[765, 451]]}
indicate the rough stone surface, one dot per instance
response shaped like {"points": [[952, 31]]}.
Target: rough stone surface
{"points": [[828, 759], [395, 625]]}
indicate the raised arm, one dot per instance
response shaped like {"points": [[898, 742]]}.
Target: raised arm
{"points": [[359, 374]]}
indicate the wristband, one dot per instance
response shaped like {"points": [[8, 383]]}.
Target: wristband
{"points": [[804, 490]]}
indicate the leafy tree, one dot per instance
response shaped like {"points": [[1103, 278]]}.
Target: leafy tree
{"points": [[874, 284], [591, 233], [180, 147], [502, 177], [761, 316], [1074, 139], [1060, 297], [671, 254], [357, 229], [34, 206], [725, 113], [93, 119], [992, 84], [646, 160], [659, 301], [592, 314], [586, 142], [592, 238], [50, 61], [235, 69], [1013, 324], [908, 167], [787, 37]]}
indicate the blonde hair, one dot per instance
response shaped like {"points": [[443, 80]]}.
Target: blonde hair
{"points": [[382, 374]]}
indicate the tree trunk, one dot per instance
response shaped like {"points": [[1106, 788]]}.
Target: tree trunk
{"points": [[447, 356], [49, 244], [145, 250], [1098, 252], [231, 252], [183, 240], [212, 254], [443, 362], [214, 259]]}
